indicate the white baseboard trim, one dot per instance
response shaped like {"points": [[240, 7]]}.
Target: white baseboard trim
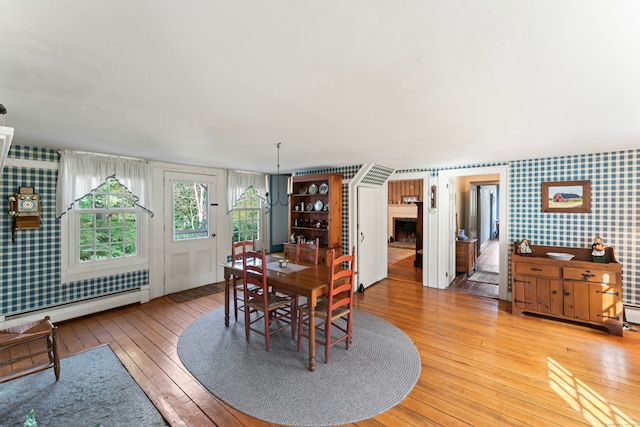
{"points": [[632, 314], [82, 308]]}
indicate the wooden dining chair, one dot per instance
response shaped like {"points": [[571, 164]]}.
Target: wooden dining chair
{"points": [[307, 252], [336, 309], [237, 253], [273, 309]]}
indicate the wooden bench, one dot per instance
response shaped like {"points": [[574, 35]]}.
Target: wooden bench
{"points": [[26, 342]]}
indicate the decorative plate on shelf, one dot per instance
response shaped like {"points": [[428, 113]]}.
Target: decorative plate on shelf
{"points": [[310, 206], [319, 205], [303, 190], [313, 189], [560, 256], [324, 188]]}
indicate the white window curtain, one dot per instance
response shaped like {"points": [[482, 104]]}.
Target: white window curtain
{"points": [[238, 182], [6, 135], [80, 173]]}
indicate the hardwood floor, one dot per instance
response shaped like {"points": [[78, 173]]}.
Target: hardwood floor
{"points": [[481, 365]]}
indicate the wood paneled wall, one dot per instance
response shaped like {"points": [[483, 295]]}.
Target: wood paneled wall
{"points": [[397, 189]]}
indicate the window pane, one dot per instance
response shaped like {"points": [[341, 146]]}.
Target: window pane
{"points": [[86, 253], [116, 220], [85, 203], [117, 236], [190, 203], [130, 250], [115, 201], [102, 220], [87, 237], [102, 251], [100, 201], [102, 235], [87, 220]]}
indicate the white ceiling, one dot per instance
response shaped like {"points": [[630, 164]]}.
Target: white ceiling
{"points": [[405, 84]]}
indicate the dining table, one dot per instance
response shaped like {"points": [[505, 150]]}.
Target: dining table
{"points": [[307, 280]]}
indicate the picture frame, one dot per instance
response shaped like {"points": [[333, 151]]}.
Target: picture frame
{"points": [[566, 196]]}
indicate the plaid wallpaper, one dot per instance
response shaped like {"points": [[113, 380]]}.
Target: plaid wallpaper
{"points": [[30, 266], [615, 203]]}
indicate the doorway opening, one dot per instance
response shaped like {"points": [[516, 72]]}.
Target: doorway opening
{"points": [[404, 232], [479, 210]]}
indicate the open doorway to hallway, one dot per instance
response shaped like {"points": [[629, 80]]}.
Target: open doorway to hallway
{"points": [[484, 280], [461, 180], [479, 213]]}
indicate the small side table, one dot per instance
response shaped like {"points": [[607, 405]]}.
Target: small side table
{"points": [[466, 256]]}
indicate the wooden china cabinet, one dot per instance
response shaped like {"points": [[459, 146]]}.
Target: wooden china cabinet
{"points": [[315, 211], [576, 289]]}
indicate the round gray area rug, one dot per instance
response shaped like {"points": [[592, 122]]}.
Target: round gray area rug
{"points": [[377, 372]]}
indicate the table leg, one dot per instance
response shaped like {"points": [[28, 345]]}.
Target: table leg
{"points": [[226, 299], [311, 301]]}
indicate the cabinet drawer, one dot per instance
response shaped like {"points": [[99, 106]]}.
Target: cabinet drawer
{"points": [[589, 275], [538, 269]]}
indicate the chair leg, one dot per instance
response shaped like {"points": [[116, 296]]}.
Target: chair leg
{"points": [[54, 350], [327, 339], [235, 300], [294, 316], [246, 322], [300, 322], [349, 325], [267, 327]]}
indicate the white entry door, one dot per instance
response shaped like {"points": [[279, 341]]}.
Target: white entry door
{"points": [[369, 232], [190, 231]]}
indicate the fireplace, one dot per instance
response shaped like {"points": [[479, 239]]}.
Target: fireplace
{"points": [[404, 229]]}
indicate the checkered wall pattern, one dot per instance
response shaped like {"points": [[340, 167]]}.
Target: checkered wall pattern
{"points": [[347, 172], [615, 207], [30, 267]]}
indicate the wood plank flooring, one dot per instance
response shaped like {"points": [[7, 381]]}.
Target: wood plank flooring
{"points": [[481, 366]]}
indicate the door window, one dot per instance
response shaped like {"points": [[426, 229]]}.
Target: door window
{"points": [[190, 213]]}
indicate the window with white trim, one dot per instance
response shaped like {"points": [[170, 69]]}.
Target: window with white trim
{"points": [[104, 230], [246, 217]]}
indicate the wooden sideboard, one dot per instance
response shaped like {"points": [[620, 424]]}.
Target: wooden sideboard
{"points": [[579, 289], [466, 256]]}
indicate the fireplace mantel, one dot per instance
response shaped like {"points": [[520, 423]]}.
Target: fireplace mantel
{"points": [[400, 211]]}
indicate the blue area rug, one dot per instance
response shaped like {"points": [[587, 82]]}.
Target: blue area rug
{"points": [[375, 374], [94, 388]]}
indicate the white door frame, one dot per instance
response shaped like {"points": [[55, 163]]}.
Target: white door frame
{"points": [[429, 225], [503, 244], [156, 250], [192, 254]]}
